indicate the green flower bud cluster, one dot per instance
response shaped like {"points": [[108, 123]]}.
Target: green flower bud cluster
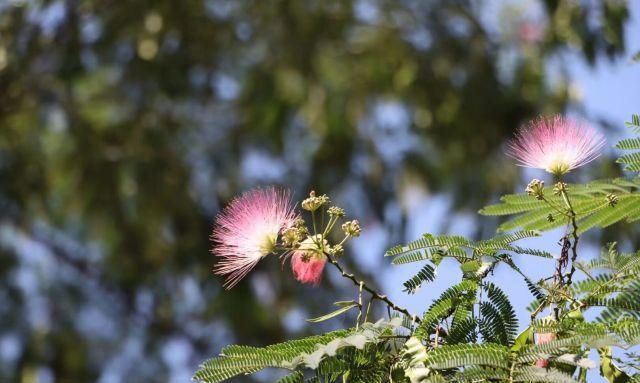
{"points": [[535, 188], [314, 202], [351, 228], [560, 188], [293, 235], [313, 239], [612, 199], [335, 211]]}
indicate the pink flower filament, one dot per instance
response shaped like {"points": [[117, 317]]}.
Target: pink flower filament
{"points": [[555, 144], [247, 230], [307, 269]]}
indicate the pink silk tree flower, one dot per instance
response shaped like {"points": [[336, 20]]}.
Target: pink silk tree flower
{"points": [[307, 262], [543, 338], [556, 144], [307, 271], [247, 230]]}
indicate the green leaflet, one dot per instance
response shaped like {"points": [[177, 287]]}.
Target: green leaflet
{"points": [[610, 370], [593, 338], [412, 356], [481, 374], [476, 258], [443, 245], [634, 124], [344, 307], [499, 323], [535, 374], [434, 247], [523, 339], [629, 144], [307, 352], [469, 355], [609, 216], [631, 160], [415, 256], [589, 202], [455, 298], [426, 274]]}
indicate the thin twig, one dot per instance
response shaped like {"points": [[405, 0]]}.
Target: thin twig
{"points": [[553, 205], [374, 293], [366, 314], [537, 311]]}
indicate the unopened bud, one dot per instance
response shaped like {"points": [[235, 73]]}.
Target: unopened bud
{"points": [[336, 211], [336, 250], [351, 228], [292, 236], [559, 188], [535, 188], [314, 202]]}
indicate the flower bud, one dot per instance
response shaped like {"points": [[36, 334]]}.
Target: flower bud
{"points": [[336, 250], [535, 188], [559, 188], [335, 211], [292, 236], [351, 228], [314, 202]]}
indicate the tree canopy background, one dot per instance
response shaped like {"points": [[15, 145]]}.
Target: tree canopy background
{"points": [[126, 126]]}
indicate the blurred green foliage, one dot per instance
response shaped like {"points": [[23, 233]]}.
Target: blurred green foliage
{"points": [[124, 126]]}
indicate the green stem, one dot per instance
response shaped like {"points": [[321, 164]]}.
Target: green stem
{"points": [[574, 234], [554, 206], [330, 225], [537, 311], [366, 314], [313, 218]]}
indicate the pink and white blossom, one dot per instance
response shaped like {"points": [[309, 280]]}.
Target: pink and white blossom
{"points": [[556, 144], [307, 270], [542, 338], [307, 262], [247, 230]]}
